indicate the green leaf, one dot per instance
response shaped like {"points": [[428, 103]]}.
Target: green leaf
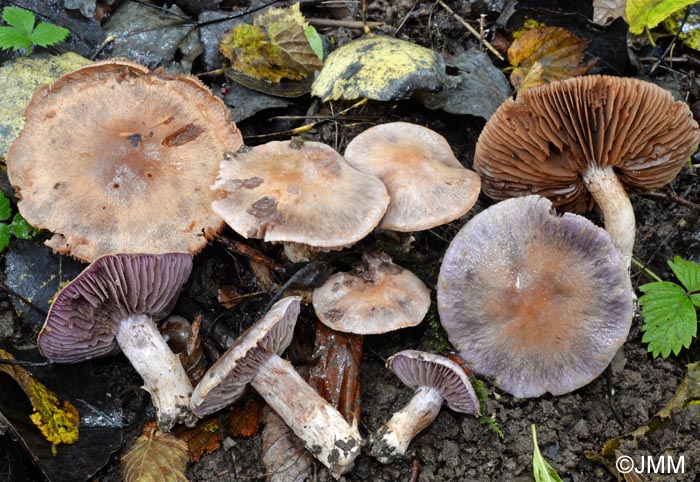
{"points": [[314, 41], [670, 320], [542, 471], [695, 299], [643, 14], [47, 34], [5, 209], [21, 19], [687, 272], [11, 38], [4, 236], [21, 228]]}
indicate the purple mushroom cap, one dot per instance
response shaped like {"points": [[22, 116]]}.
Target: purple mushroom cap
{"points": [[85, 316], [418, 369], [538, 301], [226, 380]]}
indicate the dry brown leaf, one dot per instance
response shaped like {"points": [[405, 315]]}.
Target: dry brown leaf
{"points": [[202, 439], [559, 53], [606, 12], [284, 455], [244, 421], [155, 457]]}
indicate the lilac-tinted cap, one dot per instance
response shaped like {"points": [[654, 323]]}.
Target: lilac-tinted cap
{"points": [[226, 380], [85, 316]]}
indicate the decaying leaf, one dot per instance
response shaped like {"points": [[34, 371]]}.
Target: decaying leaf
{"points": [[284, 456], [58, 422], [559, 53], [335, 373], [155, 457], [204, 438], [244, 420], [607, 11], [643, 14], [379, 68], [277, 46]]}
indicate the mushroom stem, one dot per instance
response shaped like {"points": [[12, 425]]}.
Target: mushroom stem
{"points": [[162, 372], [324, 432], [611, 197], [393, 438]]}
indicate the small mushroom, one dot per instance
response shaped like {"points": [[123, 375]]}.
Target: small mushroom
{"points": [[426, 183], [254, 359], [112, 305], [298, 192], [115, 158], [584, 139], [538, 301], [377, 297], [435, 379]]}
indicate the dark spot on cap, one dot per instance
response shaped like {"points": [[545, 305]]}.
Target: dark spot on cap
{"points": [[333, 315], [296, 143], [264, 207], [135, 139], [183, 135], [249, 183]]}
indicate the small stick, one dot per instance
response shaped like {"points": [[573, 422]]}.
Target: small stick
{"points": [[673, 197], [103, 45], [329, 22], [471, 29], [250, 253], [24, 363], [415, 471], [24, 300]]}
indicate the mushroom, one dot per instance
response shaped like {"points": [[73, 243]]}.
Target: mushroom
{"points": [[254, 359], [377, 297], [114, 158], [538, 301], [426, 183], [298, 192], [112, 305], [435, 379], [585, 139]]}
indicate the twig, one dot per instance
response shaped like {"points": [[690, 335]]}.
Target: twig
{"points": [[673, 197], [329, 22], [611, 396], [250, 253], [471, 29], [646, 270], [415, 471], [670, 46], [103, 45], [24, 300], [24, 363]]}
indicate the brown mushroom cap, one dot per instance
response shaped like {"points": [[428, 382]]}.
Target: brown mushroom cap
{"points": [[377, 297], [300, 192], [426, 183], [114, 158], [543, 142], [539, 301]]}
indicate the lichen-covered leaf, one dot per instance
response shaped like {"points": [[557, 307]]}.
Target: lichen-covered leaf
{"points": [[57, 421], [284, 455], [546, 54], [643, 14], [155, 457]]}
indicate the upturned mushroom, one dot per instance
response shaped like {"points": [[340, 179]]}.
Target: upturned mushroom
{"points": [[436, 380], [426, 183], [115, 158], [112, 305], [539, 302], [587, 139], [298, 192], [254, 359]]}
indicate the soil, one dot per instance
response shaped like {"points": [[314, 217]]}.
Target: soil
{"points": [[455, 447]]}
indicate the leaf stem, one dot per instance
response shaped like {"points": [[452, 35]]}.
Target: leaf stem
{"points": [[646, 270]]}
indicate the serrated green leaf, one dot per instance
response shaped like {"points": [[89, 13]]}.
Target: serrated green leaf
{"points": [[46, 34], [670, 320], [11, 38], [695, 299], [21, 228], [5, 209], [4, 236], [23, 20], [314, 40], [541, 469], [649, 13], [687, 272]]}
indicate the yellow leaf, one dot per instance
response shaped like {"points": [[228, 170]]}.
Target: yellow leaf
{"points": [[155, 457], [378, 68], [643, 14], [58, 422], [557, 53], [690, 33]]}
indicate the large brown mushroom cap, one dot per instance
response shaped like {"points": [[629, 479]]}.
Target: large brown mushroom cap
{"points": [[299, 192], [114, 158], [540, 302], [426, 183], [544, 142]]}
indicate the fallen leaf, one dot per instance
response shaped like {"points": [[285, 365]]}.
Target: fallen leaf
{"points": [[643, 14], [58, 422], [607, 11], [284, 455], [244, 420], [559, 53], [335, 373], [155, 457], [202, 439]]}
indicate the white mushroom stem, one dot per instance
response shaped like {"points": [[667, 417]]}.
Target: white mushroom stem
{"points": [[321, 428], [394, 437], [163, 375], [612, 199]]}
